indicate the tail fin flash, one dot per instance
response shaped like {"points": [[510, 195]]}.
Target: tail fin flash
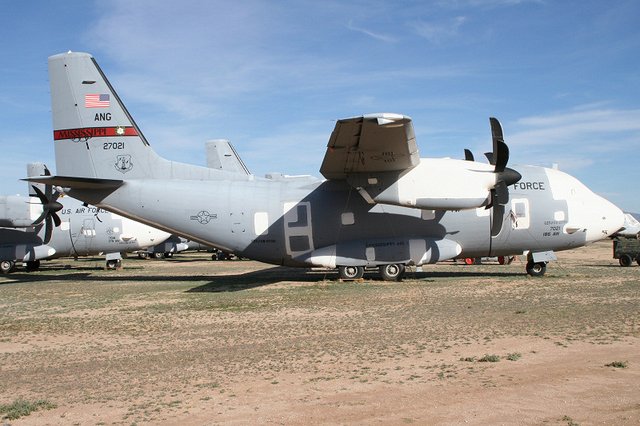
{"points": [[94, 134]]}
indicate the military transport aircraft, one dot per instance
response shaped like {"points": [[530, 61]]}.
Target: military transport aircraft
{"points": [[28, 234], [381, 205]]}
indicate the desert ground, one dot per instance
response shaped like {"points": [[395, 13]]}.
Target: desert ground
{"points": [[192, 341]]}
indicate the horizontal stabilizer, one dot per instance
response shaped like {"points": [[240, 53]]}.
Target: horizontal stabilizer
{"points": [[76, 182]]}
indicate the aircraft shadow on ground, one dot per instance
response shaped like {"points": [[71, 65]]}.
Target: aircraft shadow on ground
{"points": [[248, 280], [235, 282]]}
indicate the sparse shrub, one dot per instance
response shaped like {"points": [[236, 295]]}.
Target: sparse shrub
{"points": [[489, 358], [468, 359], [21, 408], [617, 364], [514, 356], [569, 421]]}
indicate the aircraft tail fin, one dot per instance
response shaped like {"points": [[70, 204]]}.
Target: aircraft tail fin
{"points": [[222, 156], [94, 134], [36, 169], [95, 137]]}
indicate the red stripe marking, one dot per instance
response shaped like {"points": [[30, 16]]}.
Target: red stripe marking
{"points": [[93, 132]]}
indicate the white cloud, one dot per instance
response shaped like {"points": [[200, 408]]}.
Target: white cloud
{"points": [[583, 137], [378, 36], [580, 128], [441, 31]]}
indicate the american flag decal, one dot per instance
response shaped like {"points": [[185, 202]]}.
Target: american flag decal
{"points": [[96, 100]]}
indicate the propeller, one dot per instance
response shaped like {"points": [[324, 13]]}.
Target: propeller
{"points": [[50, 207], [504, 176]]}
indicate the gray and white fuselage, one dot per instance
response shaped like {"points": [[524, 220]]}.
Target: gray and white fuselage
{"points": [[304, 222]]}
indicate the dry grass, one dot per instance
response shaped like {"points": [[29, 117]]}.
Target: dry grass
{"points": [[162, 340]]}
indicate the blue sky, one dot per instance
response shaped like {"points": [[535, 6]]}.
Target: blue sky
{"points": [[273, 76]]}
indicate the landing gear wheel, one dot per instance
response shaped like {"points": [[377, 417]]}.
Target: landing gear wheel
{"points": [[505, 260], [351, 272], [392, 272], [168, 255], [625, 260], [113, 264], [536, 269], [143, 255], [157, 255], [32, 265], [6, 266]]}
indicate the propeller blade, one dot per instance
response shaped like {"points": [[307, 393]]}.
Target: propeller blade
{"points": [[498, 159], [501, 193], [496, 129], [57, 221], [43, 201], [497, 219], [41, 196], [468, 155], [489, 156], [48, 229], [501, 156], [40, 218]]}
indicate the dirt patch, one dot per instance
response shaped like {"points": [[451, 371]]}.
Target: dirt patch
{"points": [[193, 341]]}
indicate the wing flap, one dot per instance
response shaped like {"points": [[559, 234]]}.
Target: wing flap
{"points": [[370, 143]]}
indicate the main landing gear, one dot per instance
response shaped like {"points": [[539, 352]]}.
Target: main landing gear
{"points": [[390, 272], [536, 269]]}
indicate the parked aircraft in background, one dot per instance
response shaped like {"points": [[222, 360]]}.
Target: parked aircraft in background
{"points": [[380, 206], [631, 227], [167, 248], [28, 234]]}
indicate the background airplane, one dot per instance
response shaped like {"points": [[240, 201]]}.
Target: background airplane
{"points": [[631, 227], [28, 234], [380, 206]]}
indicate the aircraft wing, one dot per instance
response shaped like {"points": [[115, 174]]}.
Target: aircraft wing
{"points": [[370, 143]]}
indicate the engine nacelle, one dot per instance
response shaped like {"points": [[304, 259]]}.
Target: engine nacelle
{"points": [[434, 184], [18, 212]]}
